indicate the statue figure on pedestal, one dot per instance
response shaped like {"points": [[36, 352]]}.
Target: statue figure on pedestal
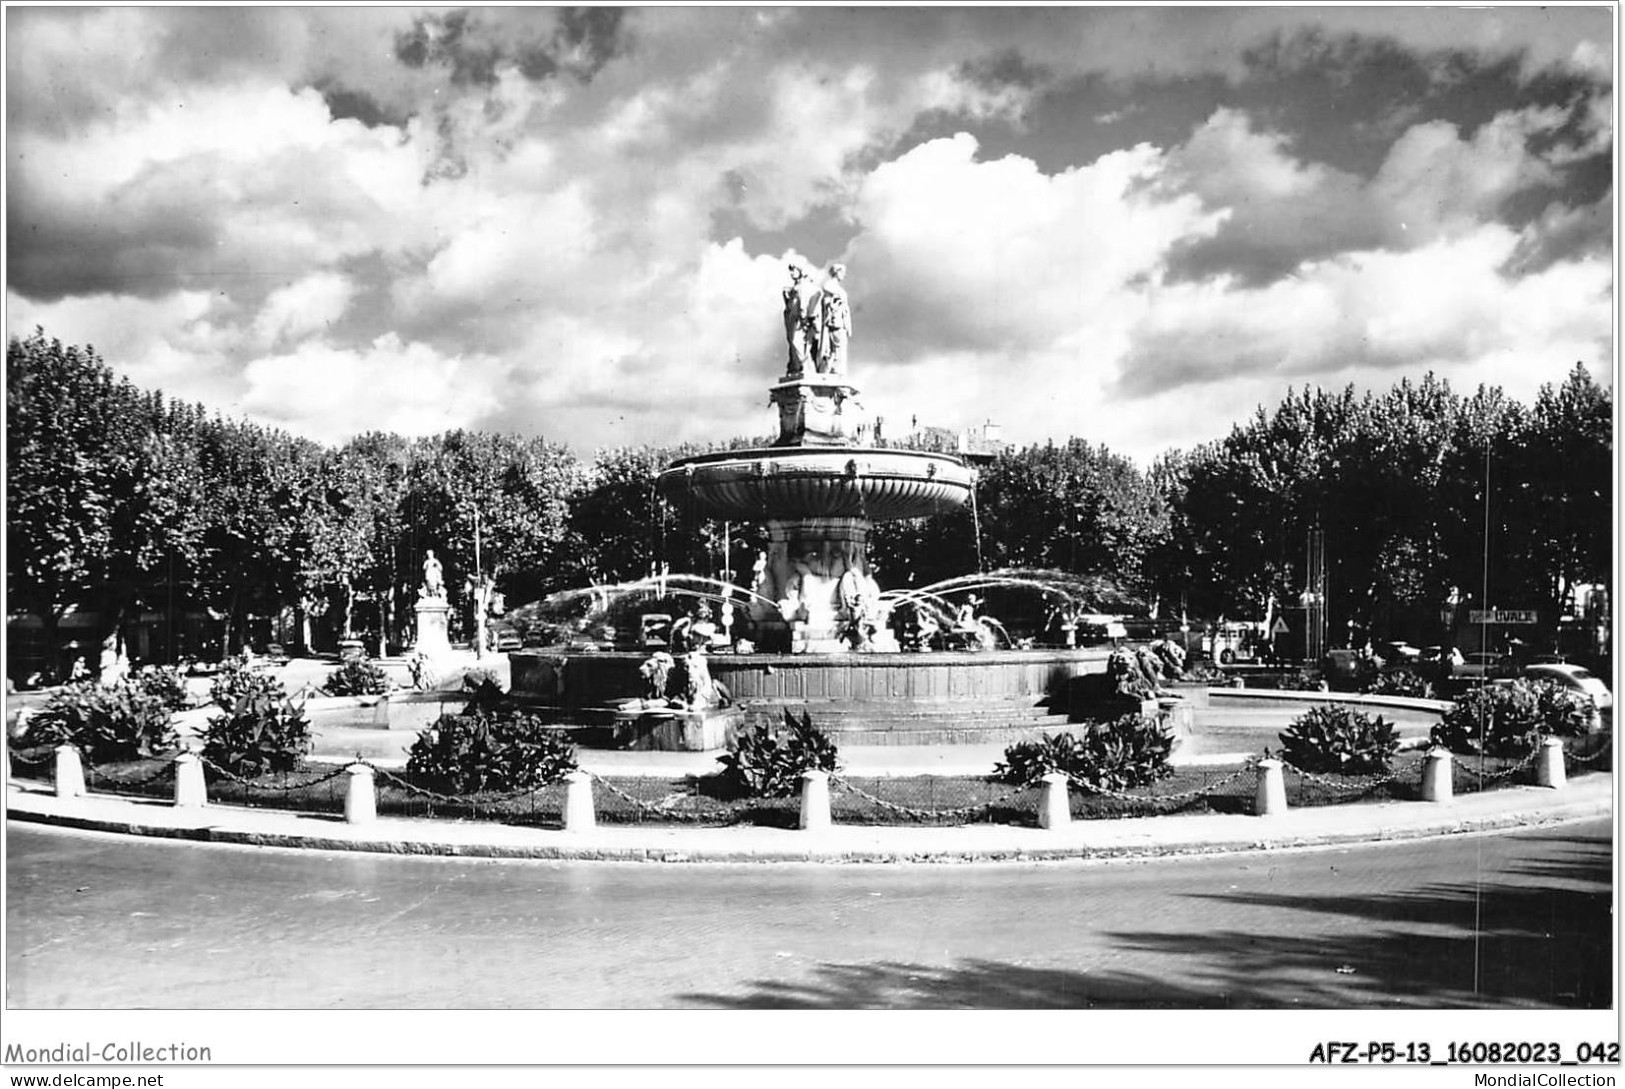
{"points": [[434, 583], [834, 323], [800, 321]]}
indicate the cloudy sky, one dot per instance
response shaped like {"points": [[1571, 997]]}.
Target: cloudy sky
{"points": [[1127, 224]]}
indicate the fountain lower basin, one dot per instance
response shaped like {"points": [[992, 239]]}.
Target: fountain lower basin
{"points": [[858, 699]]}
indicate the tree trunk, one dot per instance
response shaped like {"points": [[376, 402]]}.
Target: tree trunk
{"points": [[53, 670], [385, 615], [231, 640]]}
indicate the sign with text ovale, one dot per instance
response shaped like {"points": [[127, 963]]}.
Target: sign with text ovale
{"points": [[1501, 616]]}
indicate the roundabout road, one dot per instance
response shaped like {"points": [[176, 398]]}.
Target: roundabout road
{"points": [[96, 921]]}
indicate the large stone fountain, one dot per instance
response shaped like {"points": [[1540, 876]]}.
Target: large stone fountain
{"points": [[815, 620], [817, 490]]}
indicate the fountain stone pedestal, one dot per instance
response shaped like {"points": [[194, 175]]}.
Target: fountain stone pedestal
{"points": [[432, 631]]}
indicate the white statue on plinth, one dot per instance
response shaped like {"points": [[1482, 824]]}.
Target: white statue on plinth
{"points": [[801, 321], [834, 323], [434, 581]]}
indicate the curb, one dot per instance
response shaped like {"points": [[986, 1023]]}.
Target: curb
{"points": [[1125, 839]]}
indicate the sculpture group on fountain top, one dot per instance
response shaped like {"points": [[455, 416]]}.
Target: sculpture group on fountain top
{"points": [[817, 322], [815, 399]]}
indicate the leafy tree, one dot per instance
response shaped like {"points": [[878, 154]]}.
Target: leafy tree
{"points": [[1563, 469], [258, 535], [73, 464], [493, 506]]}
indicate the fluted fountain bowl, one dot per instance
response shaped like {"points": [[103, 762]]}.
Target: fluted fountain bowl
{"points": [[812, 481]]}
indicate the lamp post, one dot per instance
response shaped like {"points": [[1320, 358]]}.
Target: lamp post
{"points": [[479, 592]]}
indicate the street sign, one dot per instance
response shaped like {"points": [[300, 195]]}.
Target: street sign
{"points": [[1501, 616], [1280, 626]]}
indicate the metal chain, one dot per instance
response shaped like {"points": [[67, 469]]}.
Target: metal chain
{"points": [[1605, 749], [894, 807], [1345, 786], [39, 761], [165, 769], [1491, 776], [1180, 797], [253, 785], [664, 806], [477, 798]]}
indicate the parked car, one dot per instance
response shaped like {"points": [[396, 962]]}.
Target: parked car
{"points": [[507, 640], [1398, 652], [1348, 669], [654, 629], [1485, 665], [1574, 677]]}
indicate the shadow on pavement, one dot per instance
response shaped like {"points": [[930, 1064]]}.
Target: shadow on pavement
{"points": [[1545, 941]]}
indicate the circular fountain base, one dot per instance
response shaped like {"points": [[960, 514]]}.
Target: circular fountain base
{"points": [[939, 698]]}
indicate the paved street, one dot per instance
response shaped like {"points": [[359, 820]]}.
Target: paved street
{"points": [[1520, 920]]}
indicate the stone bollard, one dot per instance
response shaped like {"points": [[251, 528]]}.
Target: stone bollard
{"points": [[578, 811], [1549, 769], [361, 800], [1054, 803], [1437, 782], [814, 800], [1270, 799], [190, 790], [70, 773]]}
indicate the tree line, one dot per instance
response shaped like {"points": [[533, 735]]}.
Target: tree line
{"points": [[122, 500]]}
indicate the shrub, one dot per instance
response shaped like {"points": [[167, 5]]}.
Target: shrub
{"points": [[1130, 751], [105, 722], [1291, 680], [478, 751], [1510, 719], [1027, 762], [1305, 679], [767, 762], [235, 677], [1339, 739], [358, 677], [261, 730], [167, 684], [1401, 682]]}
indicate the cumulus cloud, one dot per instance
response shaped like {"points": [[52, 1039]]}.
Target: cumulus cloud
{"points": [[1435, 181], [1440, 305], [960, 252], [335, 220], [330, 394], [175, 343], [300, 309], [1281, 211], [237, 186]]}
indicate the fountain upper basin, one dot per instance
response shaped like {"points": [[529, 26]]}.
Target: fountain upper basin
{"points": [[812, 482]]}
